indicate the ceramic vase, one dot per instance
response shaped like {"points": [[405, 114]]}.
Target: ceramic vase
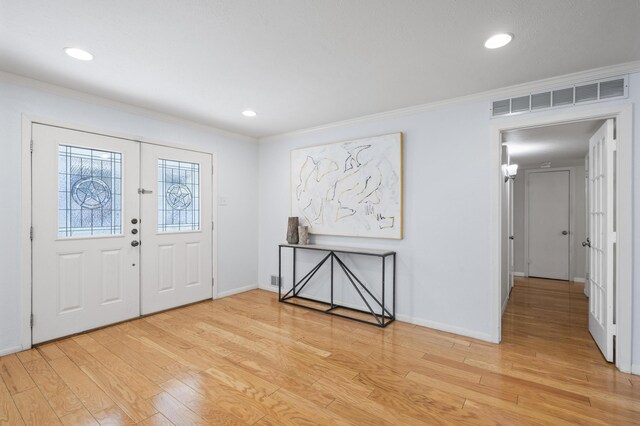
{"points": [[292, 231], [303, 235]]}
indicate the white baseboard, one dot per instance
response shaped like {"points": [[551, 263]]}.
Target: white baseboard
{"points": [[635, 369], [269, 288], [578, 280], [424, 323], [518, 274], [504, 304], [446, 327], [12, 350], [236, 291]]}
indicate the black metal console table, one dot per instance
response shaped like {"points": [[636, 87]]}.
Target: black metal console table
{"points": [[382, 318]]}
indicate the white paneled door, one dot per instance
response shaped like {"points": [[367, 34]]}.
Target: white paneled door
{"points": [[85, 270], [602, 237], [548, 221], [120, 228], [177, 227]]}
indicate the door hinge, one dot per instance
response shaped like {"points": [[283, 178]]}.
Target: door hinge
{"points": [[614, 329], [614, 237], [212, 169], [213, 281], [31, 146], [31, 233], [31, 321], [212, 226], [614, 144]]}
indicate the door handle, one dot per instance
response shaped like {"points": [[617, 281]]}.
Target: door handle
{"points": [[135, 243], [586, 243], [511, 237], [565, 232]]}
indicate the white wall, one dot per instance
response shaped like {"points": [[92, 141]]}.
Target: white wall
{"points": [[237, 179], [579, 228], [443, 262]]}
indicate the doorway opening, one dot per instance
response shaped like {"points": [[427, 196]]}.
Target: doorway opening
{"points": [[549, 263], [564, 248]]}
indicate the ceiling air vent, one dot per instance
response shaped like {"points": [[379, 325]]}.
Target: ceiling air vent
{"points": [[587, 92], [590, 91], [520, 104], [612, 88], [501, 107], [541, 100], [563, 97]]}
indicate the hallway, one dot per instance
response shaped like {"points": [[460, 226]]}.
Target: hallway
{"points": [[550, 317]]}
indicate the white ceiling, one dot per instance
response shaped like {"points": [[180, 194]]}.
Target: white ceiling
{"points": [[303, 63], [562, 144]]}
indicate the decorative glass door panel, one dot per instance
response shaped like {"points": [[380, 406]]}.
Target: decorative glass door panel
{"points": [[178, 196], [89, 192]]}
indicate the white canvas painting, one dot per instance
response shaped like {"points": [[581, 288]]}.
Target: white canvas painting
{"points": [[351, 188]]}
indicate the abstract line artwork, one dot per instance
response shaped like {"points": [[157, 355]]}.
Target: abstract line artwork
{"points": [[351, 188], [89, 191]]}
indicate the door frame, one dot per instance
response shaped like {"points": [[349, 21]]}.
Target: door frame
{"points": [[622, 112], [26, 253], [527, 174]]}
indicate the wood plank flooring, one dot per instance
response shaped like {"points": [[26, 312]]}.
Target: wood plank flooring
{"points": [[248, 359]]}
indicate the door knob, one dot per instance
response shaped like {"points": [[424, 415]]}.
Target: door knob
{"points": [[135, 243], [565, 232], [586, 243], [134, 221], [134, 231], [511, 237]]}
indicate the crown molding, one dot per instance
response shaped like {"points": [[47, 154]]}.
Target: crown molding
{"points": [[121, 106], [510, 91]]}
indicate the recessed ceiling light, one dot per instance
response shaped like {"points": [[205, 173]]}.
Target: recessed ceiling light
{"points": [[498, 40], [249, 113], [81, 55]]}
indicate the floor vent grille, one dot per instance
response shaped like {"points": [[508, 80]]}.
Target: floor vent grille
{"points": [[576, 94]]}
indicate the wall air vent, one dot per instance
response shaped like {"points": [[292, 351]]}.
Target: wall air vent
{"points": [[590, 91]]}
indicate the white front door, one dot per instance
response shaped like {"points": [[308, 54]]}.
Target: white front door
{"points": [[602, 238], [177, 227], [548, 235], [85, 270]]}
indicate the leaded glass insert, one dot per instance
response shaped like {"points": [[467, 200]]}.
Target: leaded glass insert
{"points": [[89, 192], [178, 196]]}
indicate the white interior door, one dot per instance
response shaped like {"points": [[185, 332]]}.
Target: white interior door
{"points": [[85, 270], [512, 267], [602, 238], [177, 227], [586, 243], [548, 224]]}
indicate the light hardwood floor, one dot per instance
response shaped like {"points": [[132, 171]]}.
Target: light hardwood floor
{"points": [[247, 359]]}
